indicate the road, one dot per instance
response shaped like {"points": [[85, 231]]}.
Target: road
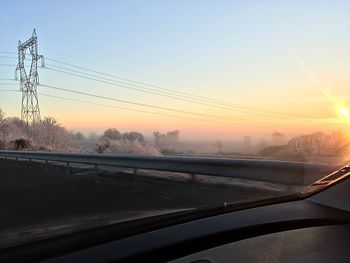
{"points": [[31, 197]]}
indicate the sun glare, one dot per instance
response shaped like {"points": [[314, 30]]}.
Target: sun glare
{"points": [[344, 112]]}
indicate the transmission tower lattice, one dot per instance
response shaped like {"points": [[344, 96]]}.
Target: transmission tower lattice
{"points": [[30, 111]]}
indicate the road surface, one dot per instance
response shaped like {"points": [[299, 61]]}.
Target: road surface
{"points": [[31, 197]]}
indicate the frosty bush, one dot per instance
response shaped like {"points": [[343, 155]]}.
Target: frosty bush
{"points": [[132, 147], [126, 147], [46, 134], [50, 134]]}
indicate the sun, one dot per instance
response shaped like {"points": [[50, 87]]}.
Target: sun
{"points": [[344, 112]]}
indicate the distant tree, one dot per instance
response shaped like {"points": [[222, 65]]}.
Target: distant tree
{"points": [[166, 141], [320, 141], [247, 144], [93, 136], [46, 134], [262, 143], [2, 116], [2, 129], [295, 145], [126, 147], [173, 136], [306, 144], [158, 138], [3, 126], [133, 136], [50, 134], [133, 147], [338, 140], [278, 138], [78, 136], [15, 128], [273, 150], [112, 134], [219, 144]]}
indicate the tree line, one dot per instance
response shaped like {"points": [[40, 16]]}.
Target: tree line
{"points": [[49, 135], [316, 143]]}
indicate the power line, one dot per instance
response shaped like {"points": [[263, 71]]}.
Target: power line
{"points": [[156, 90], [8, 65], [7, 52], [162, 93], [8, 57], [124, 108], [111, 82], [130, 102], [215, 101], [136, 110], [138, 82], [112, 106]]}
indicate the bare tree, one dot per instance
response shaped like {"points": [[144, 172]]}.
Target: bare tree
{"points": [[78, 136], [2, 117], [247, 145], [339, 139], [295, 144], [93, 136], [306, 143], [112, 134], [166, 141], [133, 136], [51, 135], [3, 126], [262, 143], [278, 138], [219, 144], [126, 147], [319, 140]]}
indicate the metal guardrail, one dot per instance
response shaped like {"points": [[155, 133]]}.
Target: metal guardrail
{"points": [[291, 173]]}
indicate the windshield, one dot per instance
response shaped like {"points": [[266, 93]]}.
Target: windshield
{"points": [[112, 111]]}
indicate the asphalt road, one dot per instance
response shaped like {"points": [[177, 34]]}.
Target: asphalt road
{"points": [[31, 197]]}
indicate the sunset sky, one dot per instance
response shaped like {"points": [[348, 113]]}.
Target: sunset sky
{"points": [[286, 63]]}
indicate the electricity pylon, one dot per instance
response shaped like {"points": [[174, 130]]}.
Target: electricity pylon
{"points": [[30, 111]]}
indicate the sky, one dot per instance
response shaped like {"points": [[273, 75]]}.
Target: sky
{"points": [[273, 65]]}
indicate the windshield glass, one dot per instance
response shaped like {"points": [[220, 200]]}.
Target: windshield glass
{"points": [[112, 111]]}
